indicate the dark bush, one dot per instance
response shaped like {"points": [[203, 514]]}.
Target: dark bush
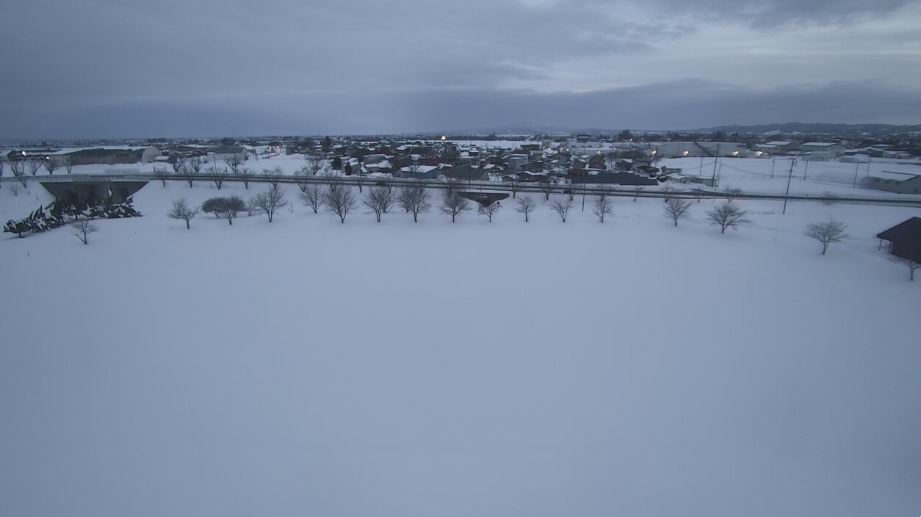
{"points": [[227, 207], [60, 213]]}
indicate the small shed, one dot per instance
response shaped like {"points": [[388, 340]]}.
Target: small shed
{"points": [[893, 181], [904, 239]]}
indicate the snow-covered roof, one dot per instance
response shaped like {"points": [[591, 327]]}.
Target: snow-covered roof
{"points": [[419, 168], [893, 175]]}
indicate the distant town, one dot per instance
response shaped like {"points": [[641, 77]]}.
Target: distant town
{"points": [[624, 158]]}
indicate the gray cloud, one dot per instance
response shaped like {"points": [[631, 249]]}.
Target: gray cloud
{"points": [[673, 105], [81, 67], [769, 12]]}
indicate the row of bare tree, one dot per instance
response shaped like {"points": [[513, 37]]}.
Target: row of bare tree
{"points": [[20, 167]]}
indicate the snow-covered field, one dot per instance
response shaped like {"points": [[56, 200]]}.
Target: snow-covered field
{"points": [[308, 367]]}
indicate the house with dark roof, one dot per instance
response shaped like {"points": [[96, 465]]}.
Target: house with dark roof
{"points": [[612, 178], [463, 172], [904, 239], [104, 156]]}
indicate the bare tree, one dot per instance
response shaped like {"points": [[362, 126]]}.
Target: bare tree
{"points": [[34, 166], [731, 193], [561, 208], [50, 165], [677, 209], [2, 166], [414, 168], [68, 163], [727, 215], [452, 202], [603, 205], [637, 190], [489, 210], [245, 175], [184, 211], [666, 190], [269, 201], [187, 172], [339, 199], [913, 263], [82, 228], [379, 200], [414, 199], [826, 233], [314, 164], [14, 188], [313, 196], [546, 187], [525, 205], [177, 164], [161, 174], [235, 162], [195, 165], [273, 176], [18, 167], [218, 176], [300, 178]]}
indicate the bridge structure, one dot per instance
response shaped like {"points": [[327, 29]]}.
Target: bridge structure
{"points": [[122, 186], [116, 189]]}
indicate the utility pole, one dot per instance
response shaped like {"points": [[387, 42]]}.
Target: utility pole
{"points": [[790, 177], [807, 168], [773, 161], [856, 168], [715, 160]]}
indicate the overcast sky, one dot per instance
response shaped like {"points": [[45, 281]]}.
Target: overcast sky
{"points": [[84, 68]]}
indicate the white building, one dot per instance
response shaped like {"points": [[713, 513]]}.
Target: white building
{"points": [[822, 150]]}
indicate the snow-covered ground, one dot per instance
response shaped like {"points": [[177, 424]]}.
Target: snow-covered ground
{"points": [[308, 367], [770, 175]]}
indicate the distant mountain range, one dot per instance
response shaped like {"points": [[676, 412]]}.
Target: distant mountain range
{"points": [[528, 128], [820, 128]]}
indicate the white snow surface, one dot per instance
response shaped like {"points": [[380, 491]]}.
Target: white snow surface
{"points": [[308, 367]]}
